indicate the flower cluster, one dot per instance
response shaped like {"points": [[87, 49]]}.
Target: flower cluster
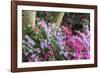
{"points": [[49, 42]]}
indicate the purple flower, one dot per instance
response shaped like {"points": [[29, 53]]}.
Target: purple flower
{"points": [[44, 44], [29, 42]]}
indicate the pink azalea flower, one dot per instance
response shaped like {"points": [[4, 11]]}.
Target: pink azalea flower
{"points": [[30, 59], [65, 29], [36, 29], [36, 59], [51, 52], [48, 54]]}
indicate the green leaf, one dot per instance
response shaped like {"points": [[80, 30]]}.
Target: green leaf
{"points": [[53, 43]]}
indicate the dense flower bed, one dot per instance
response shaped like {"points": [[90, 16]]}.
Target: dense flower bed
{"points": [[49, 42]]}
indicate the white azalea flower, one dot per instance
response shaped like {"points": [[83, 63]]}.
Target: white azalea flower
{"points": [[33, 56], [61, 52], [30, 50], [26, 36], [62, 47], [32, 42], [29, 25], [26, 53], [65, 54], [23, 41]]}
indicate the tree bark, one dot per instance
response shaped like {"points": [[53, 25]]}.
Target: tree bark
{"points": [[29, 18], [58, 18]]}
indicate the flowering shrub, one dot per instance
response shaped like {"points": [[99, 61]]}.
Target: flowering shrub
{"points": [[48, 42]]}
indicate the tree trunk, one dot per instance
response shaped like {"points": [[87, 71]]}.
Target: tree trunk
{"points": [[58, 18], [29, 18]]}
